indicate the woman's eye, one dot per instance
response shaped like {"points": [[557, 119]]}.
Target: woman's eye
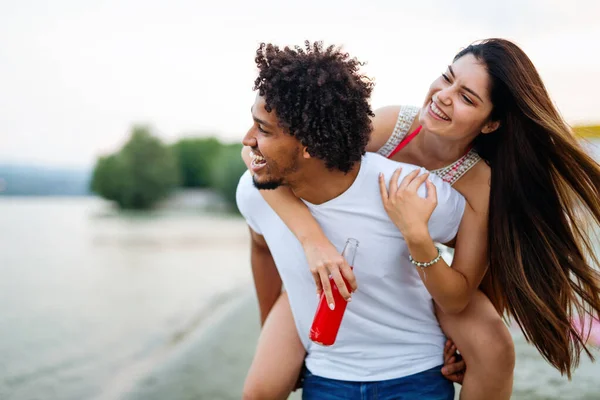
{"points": [[446, 77], [467, 100]]}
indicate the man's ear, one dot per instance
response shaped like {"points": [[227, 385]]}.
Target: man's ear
{"points": [[305, 153], [490, 127]]}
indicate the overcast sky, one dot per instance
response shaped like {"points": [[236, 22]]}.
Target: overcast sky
{"points": [[75, 75]]}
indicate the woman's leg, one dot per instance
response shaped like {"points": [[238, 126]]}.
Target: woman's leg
{"points": [[486, 346], [278, 358]]}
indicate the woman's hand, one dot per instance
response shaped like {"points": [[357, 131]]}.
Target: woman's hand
{"points": [[324, 260], [409, 212]]}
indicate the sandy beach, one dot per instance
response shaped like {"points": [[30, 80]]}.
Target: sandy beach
{"points": [[213, 362]]}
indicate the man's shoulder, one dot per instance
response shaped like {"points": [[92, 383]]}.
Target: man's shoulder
{"points": [[251, 204], [245, 186], [247, 194], [378, 163]]}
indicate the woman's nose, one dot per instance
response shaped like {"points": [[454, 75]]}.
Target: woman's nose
{"points": [[444, 97]]}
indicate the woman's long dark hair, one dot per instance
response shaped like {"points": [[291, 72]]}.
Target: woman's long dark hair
{"points": [[545, 191]]}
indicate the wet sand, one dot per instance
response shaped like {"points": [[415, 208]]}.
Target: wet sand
{"points": [[213, 363]]}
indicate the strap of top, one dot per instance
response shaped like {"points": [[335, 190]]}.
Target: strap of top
{"points": [[453, 172], [405, 141], [405, 119], [400, 138]]}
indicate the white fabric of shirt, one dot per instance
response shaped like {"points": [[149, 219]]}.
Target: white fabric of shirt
{"points": [[389, 329]]}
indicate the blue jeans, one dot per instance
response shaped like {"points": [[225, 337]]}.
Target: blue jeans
{"points": [[426, 385]]}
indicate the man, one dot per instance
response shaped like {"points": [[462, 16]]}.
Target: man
{"points": [[311, 127]]}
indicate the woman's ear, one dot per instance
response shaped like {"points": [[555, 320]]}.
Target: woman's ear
{"points": [[490, 127]]}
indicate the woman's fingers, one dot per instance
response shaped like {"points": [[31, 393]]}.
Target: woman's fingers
{"points": [[341, 285], [394, 181], [408, 179], [411, 181], [326, 287], [383, 190], [317, 278], [348, 274], [417, 182], [335, 271], [431, 191]]}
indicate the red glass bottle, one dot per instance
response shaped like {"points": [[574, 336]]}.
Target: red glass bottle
{"points": [[326, 323]]}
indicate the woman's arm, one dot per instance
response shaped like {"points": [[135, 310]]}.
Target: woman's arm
{"points": [[323, 258], [451, 288]]}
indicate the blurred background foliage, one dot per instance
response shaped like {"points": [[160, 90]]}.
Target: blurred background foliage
{"points": [[146, 170], [587, 131]]}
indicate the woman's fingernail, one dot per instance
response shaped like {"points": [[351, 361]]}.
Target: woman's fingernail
{"points": [[349, 299], [331, 306], [444, 370]]}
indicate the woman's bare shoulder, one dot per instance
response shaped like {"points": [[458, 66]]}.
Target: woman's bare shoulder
{"points": [[475, 187], [384, 122]]}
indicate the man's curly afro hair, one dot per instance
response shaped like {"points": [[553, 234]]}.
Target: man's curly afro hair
{"points": [[320, 97]]}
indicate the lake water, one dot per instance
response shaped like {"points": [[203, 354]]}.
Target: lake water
{"points": [[95, 304], [87, 295]]}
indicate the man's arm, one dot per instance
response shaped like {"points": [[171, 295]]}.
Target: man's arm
{"points": [[323, 258], [266, 277]]}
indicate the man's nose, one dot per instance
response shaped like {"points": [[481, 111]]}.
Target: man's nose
{"points": [[249, 139]]}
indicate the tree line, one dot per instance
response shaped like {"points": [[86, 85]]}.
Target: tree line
{"points": [[146, 170]]}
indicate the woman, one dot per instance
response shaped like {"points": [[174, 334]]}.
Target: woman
{"points": [[532, 195]]}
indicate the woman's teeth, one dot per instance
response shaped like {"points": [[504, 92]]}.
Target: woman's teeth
{"points": [[439, 112]]}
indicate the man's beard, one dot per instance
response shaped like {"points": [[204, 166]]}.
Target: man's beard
{"points": [[274, 183], [268, 185]]}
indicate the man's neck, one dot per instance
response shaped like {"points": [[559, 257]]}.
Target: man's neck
{"points": [[321, 184]]}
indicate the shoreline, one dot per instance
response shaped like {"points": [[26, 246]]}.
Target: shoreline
{"points": [[214, 313], [213, 362]]}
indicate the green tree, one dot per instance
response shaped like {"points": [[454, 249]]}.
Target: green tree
{"points": [[108, 177], [196, 157], [141, 174], [227, 170]]}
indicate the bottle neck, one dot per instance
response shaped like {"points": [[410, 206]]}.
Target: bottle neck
{"points": [[350, 250]]}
